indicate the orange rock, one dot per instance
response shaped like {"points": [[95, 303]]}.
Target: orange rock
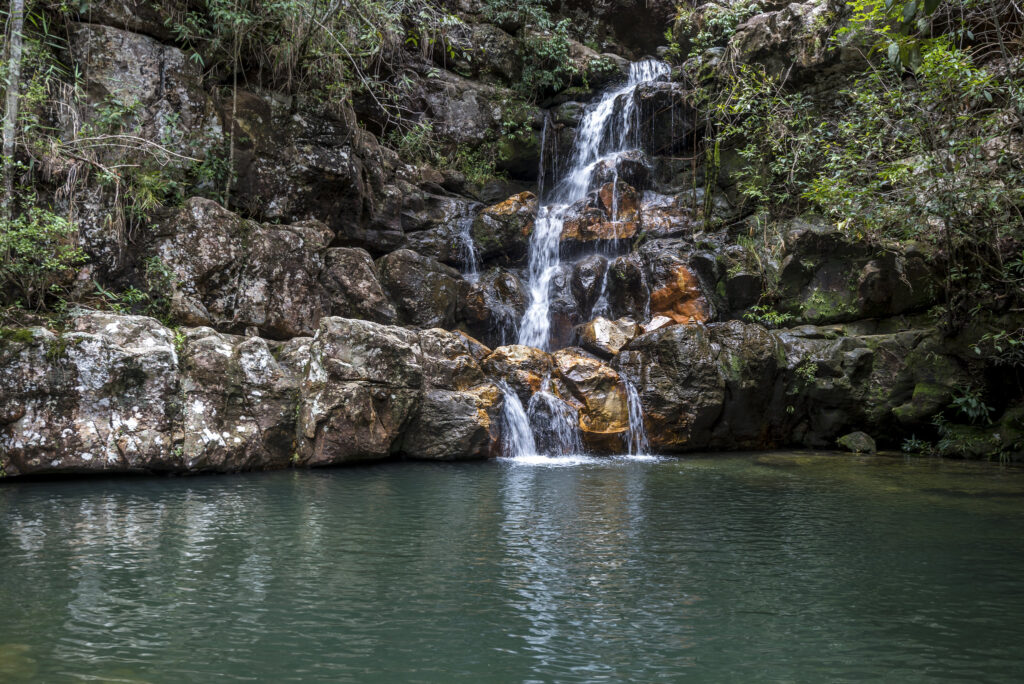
{"points": [[579, 229], [524, 201], [681, 299], [628, 202], [600, 397]]}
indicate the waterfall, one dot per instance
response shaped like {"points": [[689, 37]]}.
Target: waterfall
{"points": [[606, 129], [467, 249], [638, 444], [555, 423], [516, 435]]}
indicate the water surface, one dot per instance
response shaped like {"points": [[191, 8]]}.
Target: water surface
{"points": [[768, 567]]}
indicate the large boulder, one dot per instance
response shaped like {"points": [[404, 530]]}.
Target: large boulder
{"points": [[353, 287], [100, 397], [792, 40], [239, 399], [678, 379], [425, 293], [606, 338], [373, 392], [232, 274], [493, 306], [359, 392], [456, 426], [827, 276], [504, 228], [600, 398]]}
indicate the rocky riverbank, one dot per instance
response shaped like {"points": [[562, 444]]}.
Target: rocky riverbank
{"points": [[349, 298]]}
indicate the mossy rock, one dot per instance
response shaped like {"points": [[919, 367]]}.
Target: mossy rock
{"points": [[857, 442], [927, 400]]}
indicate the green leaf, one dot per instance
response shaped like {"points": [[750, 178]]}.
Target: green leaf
{"points": [[931, 5], [889, 4], [909, 10], [894, 52]]}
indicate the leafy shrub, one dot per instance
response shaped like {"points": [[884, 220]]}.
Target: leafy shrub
{"points": [[38, 255]]}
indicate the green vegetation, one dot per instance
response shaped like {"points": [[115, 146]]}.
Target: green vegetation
{"points": [[921, 145]]}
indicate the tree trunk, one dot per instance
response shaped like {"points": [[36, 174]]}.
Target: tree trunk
{"points": [[17, 20]]}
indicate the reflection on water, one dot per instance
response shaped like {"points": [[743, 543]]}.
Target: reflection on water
{"points": [[757, 568]]}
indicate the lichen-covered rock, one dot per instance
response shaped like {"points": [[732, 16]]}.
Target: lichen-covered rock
{"points": [[100, 397], [353, 286], [315, 163], [231, 273], [155, 95], [793, 39], [138, 72], [448, 360], [239, 400], [373, 392], [359, 393], [425, 293], [504, 229]]}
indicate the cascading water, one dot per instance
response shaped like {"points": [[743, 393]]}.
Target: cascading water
{"points": [[608, 128], [638, 444], [517, 437]]}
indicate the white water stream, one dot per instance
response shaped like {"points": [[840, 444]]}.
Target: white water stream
{"points": [[547, 424], [606, 129]]}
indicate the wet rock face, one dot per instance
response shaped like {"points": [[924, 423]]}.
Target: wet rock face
{"points": [[588, 277], [609, 214], [600, 399], [99, 397], [494, 305], [667, 117], [232, 274], [504, 229], [679, 296], [523, 368], [606, 338]]}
